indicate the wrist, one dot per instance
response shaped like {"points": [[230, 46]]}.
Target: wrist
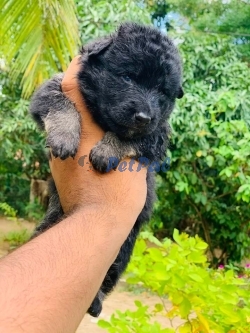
{"points": [[114, 221]]}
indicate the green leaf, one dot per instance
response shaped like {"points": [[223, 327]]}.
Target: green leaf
{"points": [[176, 236], [186, 328], [103, 323], [158, 307], [185, 308], [138, 304], [196, 257], [203, 199], [209, 160], [176, 298], [161, 273], [195, 277], [200, 245]]}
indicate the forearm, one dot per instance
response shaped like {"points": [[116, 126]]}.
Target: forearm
{"points": [[48, 284]]}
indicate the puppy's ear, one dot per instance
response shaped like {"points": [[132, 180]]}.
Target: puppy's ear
{"points": [[98, 47], [180, 93], [128, 28]]}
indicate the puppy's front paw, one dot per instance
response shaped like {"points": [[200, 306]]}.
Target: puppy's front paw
{"points": [[63, 146], [102, 158]]}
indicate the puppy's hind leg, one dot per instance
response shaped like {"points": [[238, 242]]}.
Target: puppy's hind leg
{"points": [[54, 213], [118, 267], [113, 274], [96, 307]]}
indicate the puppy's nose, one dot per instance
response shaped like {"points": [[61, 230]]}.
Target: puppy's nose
{"points": [[142, 118]]}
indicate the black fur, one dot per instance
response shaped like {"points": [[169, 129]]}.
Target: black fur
{"points": [[129, 81]]}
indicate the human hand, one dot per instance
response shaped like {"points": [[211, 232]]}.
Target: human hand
{"points": [[77, 185]]}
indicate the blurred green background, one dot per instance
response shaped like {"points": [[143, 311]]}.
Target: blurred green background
{"points": [[207, 189]]}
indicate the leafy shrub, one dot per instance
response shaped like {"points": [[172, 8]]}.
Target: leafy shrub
{"points": [[207, 300], [21, 147], [7, 210], [207, 189], [34, 211], [99, 18], [17, 238], [134, 321]]}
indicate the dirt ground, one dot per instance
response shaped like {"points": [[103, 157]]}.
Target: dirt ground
{"points": [[120, 299]]}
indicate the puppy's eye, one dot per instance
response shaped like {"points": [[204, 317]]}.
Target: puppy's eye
{"points": [[126, 78], [164, 92]]}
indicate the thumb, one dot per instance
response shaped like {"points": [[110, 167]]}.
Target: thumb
{"points": [[69, 82], [70, 88]]}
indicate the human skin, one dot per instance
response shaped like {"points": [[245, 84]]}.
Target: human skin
{"points": [[48, 284]]}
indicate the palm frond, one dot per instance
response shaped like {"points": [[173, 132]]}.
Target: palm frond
{"points": [[39, 37]]}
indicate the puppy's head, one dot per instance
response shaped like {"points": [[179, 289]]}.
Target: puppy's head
{"points": [[131, 79]]}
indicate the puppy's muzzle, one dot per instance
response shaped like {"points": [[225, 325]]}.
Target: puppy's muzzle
{"points": [[142, 119]]}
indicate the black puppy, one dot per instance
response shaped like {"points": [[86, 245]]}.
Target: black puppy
{"points": [[129, 81]]}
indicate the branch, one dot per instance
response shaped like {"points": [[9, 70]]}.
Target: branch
{"points": [[203, 224]]}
